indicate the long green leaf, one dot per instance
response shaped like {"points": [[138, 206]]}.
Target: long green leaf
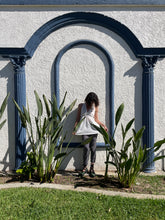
{"points": [[3, 106], [56, 134], [49, 157], [122, 165], [26, 114], [103, 132], [38, 129], [61, 108], [39, 104], [86, 141], [134, 132], [123, 132], [158, 145], [145, 153], [105, 135], [123, 155], [51, 153], [140, 155], [17, 106], [29, 114], [63, 158], [59, 155], [46, 105], [55, 110], [158, 158], [78, 124], [139, 134], [69, 109], [2, 123], [128, 164], [128, 126], [98, 128], [21, 114], [44, 127], [119, 114], [127, 144], [40, 161]]}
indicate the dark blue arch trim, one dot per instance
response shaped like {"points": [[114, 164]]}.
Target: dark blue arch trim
{"points": [[86, 18], [111, 74]]}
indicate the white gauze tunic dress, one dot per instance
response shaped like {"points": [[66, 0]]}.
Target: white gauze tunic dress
{"points": [[87, 118]]}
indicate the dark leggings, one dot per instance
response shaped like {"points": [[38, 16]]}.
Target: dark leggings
{"points": [[89, 147]]}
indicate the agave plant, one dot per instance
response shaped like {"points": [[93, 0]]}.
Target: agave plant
{"points": [[47, 152], [2, 109], [129, 160]]}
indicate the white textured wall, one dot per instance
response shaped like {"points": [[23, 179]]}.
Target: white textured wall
{"points": [[82, 69]]}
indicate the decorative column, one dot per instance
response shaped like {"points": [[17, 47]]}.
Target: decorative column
{"points": [[148, 64], [20, 98]]}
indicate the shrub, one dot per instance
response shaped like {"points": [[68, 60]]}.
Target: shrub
{"points": [[132, 155], [47, 152]]}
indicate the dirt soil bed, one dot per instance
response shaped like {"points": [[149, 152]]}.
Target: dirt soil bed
{"points": [[144, 184]]}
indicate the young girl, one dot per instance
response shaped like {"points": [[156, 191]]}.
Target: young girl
{"points": [[88, 114]]}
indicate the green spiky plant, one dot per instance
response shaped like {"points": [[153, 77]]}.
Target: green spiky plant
{"points": [[129, 160], [2, 109], [47, 151]]}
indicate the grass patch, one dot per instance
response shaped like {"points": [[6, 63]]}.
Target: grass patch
{"points": [[33, 203], [150, 184]]}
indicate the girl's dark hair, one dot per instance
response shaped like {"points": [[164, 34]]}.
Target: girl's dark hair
{"points": [[92, 98]]}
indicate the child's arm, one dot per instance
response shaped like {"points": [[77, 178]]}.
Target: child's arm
{"points": [[98, 121]]}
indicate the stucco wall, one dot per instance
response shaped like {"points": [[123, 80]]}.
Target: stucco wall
{"points": [[82, 69]]}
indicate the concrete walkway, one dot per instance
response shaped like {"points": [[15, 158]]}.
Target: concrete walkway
{"points": [[85, 189], [81, 189]]}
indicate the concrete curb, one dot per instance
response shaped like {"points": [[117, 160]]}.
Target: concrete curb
{"points": [[81, 189]]}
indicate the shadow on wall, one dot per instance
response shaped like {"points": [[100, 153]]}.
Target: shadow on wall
{"points": [[136, 72], [8, 158], [76, 156], [69, 127]]}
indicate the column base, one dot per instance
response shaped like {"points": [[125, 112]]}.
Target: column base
{"points": [[149, 170]]}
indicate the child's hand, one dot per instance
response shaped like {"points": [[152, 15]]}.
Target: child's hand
{"points": [[105, 128]]}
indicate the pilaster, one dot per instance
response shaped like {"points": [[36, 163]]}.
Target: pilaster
{"points": [[20, 98], [148, 64]]}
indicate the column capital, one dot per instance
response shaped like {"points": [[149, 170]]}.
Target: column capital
{"points": [[18, 63], [148, 63]]}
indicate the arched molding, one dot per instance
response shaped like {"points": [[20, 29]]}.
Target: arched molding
{"points": [[110, 74], [84, 18]]}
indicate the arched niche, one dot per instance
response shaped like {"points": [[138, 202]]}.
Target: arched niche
{"points": [[110, 75]]}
